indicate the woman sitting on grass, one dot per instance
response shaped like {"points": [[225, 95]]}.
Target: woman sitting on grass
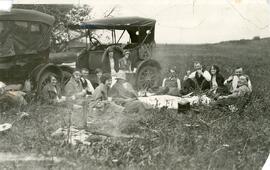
{"points": [[101, 92], [217, 86], [51, 92]]}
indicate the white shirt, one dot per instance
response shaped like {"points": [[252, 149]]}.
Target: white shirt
{"points": [[89, 87], [112, 65], [206, 75]]}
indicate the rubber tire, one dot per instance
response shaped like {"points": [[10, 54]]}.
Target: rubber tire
{"points": [[155, 78]]}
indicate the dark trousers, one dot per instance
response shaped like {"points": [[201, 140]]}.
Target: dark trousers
{"points": [[190, 85]]}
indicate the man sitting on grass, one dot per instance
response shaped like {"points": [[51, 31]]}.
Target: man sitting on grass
{"points": [[87, 85], [232, 81], [123, 94], [197, 80], [241, 92], [74, 88]]}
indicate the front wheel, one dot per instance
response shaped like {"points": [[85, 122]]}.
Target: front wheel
{"points": [[148, 77]]}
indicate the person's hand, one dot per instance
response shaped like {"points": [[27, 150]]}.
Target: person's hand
{"points": [[230, 79], [200, 72], [73, 97], [222, 97], [62, 99], [185, 78]]}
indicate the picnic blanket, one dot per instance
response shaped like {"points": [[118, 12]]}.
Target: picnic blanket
{"points": [[159, 101]]}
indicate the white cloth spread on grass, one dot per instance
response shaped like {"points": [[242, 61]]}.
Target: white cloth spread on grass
{"points": [[172, 102], [168, 101]]}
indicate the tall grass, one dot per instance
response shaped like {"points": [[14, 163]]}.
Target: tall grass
{"points": [[170, 140]]}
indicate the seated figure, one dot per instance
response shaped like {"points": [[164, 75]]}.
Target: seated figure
{"points": [[96, 80], [171, 84], [123, 94], [87, 85], [10, 98], [122, 88], [232, 81], [240, 93], [217, 86], [51, 93], [197, 80], [74, 88]]}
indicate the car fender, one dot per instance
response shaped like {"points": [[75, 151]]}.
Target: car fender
{"points": [[66, 68], [40, 69]]}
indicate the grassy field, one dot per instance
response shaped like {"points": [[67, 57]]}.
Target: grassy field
{"points": [[234, 141]]}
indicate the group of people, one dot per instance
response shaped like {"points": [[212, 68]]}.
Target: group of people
{"points": [[210, 82]]}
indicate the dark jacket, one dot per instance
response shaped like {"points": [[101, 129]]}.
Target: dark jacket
{"points": [[219, 79]]}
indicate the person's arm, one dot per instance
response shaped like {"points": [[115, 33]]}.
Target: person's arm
{"points": [[80, 94], [90, 87], [207, 75], [237, 93], [228, 80], [178, 84], [192, 75], [163, 82], [249, 85]]}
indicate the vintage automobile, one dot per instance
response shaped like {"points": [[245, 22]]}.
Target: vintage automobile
{"points": [[139, 40], [25, 47]]}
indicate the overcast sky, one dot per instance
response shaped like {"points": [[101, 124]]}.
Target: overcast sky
{"points": [[191, 21]]}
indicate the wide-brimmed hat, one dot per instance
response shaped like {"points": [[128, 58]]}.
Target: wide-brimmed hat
{"points": [[2, 85], [120, 75]]}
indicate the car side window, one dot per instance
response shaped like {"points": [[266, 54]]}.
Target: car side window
{"points": [[21, 26], [34, 28]]}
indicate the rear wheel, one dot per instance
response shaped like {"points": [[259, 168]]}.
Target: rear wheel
{"points": [[148, 77]]}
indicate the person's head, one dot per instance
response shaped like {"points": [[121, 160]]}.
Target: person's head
{"points": [[238, 71], [126, 54], [98, 72], [77, 75], [214, 70], [172, 72], [53, 80], [197, 66], [106, 79], [85, 72], [110, 52], [243, 80], [188, 72]]}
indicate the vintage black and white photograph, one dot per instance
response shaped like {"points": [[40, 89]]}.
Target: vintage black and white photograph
{"points": [[125, 84]]}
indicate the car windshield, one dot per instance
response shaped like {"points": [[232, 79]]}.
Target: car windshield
{"points": [[78, 40], [105, 37]]}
